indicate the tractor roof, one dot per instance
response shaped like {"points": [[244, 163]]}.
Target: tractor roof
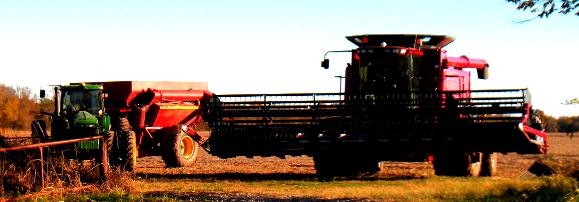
{"points": [[81, 86], [404, 40]]}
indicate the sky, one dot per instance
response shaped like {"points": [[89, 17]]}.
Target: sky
{"points": [[266, 46]]}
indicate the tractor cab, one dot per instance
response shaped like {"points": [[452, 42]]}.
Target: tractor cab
{"points": [[77, 98], [79, 111]]}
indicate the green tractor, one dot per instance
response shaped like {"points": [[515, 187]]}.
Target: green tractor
{"points": [[79, 112]]}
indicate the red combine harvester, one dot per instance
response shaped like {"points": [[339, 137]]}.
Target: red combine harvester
{"points": [[404, 100]]}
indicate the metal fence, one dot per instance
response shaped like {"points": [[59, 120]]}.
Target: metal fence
{"points": [[101, 159]]}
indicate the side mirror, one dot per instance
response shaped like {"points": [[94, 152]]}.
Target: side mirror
{"points": [[483, 73], [326, 63], [42, 93]]}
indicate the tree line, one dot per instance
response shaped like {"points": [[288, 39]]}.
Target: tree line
{"points": [[561, 124], [18, 107]]}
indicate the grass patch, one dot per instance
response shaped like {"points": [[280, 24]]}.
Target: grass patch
{"points": [[124, 188], [431, 189]]}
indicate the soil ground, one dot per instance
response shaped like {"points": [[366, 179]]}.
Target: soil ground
{"points": [[510, 165]]}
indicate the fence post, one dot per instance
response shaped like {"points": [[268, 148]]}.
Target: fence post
{"points": [[41, 167], [103, 158]]}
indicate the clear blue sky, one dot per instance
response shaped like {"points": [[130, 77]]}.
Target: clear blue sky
{"points": [[274, 46]]}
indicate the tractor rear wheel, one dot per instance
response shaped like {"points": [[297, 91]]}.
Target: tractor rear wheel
{"points": [[111, 147], [124, 146], [457, 164], [179, 149], [489, 164]]}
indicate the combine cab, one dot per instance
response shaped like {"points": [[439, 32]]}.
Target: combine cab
{"points": [[404, 100]]}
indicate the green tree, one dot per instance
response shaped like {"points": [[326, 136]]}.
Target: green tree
{"points": [[574, 101], [544, 8]]}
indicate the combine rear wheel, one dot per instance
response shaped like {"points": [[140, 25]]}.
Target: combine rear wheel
{"points": [[124, 146], [489, 164], [457, 164], [179, 149]]}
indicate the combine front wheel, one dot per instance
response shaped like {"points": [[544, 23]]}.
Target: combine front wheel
{"points": [[333, 164], [489, 164], [457, 164], [179, 150]]}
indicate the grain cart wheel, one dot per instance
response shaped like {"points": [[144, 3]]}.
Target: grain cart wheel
{"points": [[457, 164], [179, 150], [489, 164], [124, 148]]}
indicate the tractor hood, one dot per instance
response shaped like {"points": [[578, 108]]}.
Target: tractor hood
{"points": [[85, 119]]}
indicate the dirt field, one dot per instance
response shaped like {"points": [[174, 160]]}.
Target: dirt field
{"points": [[511, 165]]}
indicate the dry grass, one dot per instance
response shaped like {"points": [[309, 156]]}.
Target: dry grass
{"points": [[11, 133], [20, 173]]}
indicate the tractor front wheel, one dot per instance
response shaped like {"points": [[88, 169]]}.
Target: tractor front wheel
{"points": [[179, 149]]}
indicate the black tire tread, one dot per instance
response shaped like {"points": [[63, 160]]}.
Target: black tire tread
{"points": [[170, 146]]}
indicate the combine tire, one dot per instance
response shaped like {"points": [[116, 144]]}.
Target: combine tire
{"points": [[124, 146], [179, 149], [489, 164], [333, 164], [457, 164]]}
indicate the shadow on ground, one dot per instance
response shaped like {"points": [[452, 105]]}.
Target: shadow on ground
{"points": [[257, 177], [200, 196]]}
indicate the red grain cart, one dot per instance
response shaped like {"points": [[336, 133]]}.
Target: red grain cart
{"points": [[155, 115]]}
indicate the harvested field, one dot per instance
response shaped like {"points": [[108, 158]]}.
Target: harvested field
{"points": [[293, 178], [511, 165]]}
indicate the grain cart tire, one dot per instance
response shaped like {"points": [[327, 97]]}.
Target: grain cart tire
{"points": [[457, 164], [179, 149], [124, 148], [489, 164]]}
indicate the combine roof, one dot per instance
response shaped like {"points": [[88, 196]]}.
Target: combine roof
{"points": [[404, 40]]}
